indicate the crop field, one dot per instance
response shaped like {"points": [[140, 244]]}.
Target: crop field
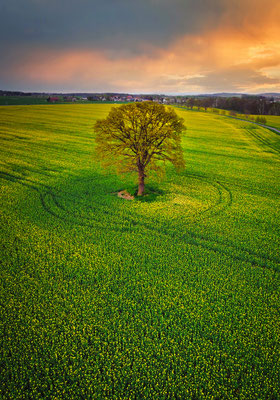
{"points": [[273, 120], [174, 296]]}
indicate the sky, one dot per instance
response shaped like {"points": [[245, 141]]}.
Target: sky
{"points": [[140, 46]]}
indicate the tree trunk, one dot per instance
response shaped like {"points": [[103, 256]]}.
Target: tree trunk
{"points": [[141, 178]]}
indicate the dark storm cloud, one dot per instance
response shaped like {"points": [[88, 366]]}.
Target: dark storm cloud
{"points": [[106, 24]]}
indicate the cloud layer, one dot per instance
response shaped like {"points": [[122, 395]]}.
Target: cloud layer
{"points": [[158, 46]]}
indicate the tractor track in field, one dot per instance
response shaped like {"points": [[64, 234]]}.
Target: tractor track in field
{"points": [[262, 140], [270, 128], [224, 196], [51, 203], [257, 136], [223, 201]]}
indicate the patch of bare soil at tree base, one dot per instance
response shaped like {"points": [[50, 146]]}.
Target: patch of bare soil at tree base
{"points": [[123, 194]]}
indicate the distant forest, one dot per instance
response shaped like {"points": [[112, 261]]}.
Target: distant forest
{"points": [[257, 105]]}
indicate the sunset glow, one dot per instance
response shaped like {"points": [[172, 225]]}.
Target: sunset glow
{"points": [[217, 46]]}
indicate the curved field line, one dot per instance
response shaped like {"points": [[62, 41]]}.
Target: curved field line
{"points": [[195, 237], [221, 204], [187, 236], [216, 208]]}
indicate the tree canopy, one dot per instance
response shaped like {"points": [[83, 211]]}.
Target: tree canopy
{"points": [[140, 137]]}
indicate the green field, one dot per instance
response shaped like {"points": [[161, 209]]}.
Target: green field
{"points": [[38, 100], [175, 296], [22, 100], [273, 120]]}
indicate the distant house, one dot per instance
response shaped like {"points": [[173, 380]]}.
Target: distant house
{"points": [[53, 99]]}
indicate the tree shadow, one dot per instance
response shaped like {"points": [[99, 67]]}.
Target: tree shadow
{"points": [[151, 194]]}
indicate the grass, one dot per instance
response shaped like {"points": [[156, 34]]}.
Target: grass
{"points": [[175, 296]]}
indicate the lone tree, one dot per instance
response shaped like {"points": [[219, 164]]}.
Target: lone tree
{"points": [[140, 137]]}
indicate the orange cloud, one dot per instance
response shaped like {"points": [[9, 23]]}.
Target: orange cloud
{"points": [[243, 56]]}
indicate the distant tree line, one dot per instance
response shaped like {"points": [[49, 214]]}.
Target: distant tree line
{"points": [[243, 104], [257, 105]]}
